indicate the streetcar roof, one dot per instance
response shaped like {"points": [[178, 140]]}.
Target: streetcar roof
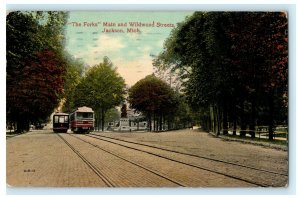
{"points": [[61, 113], [84, 109]]}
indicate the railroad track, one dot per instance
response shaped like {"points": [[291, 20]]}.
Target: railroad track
{"points": [[107, 181], [193, 155], [225, 163], [101, 175]]}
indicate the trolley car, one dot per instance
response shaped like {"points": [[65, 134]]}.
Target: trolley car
{"points": [[82, 120], [60, 122]]}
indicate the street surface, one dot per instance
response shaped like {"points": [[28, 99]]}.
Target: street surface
{"points": [[183, 158]]}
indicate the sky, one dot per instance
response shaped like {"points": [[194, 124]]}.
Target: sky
{"points": [[129, 50]]}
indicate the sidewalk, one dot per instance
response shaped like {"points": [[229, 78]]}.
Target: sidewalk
{"points": [[259, 141]]}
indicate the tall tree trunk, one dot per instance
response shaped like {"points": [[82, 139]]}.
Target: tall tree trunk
{"points": [[234, 119], [225, 121], [154, 122], [218, 119], [160, 122], [157, 122], [169, 123], [98, 118], [234, 126], [149, 121], [243, 121], [271, 116], [253, 114], [22, 124], [103, 119], [212, 119]]}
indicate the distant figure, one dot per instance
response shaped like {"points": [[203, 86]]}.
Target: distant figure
{"points": [[191, 127], [124, 111]]}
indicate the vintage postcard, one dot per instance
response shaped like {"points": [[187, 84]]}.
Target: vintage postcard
{"points": [[140, 99]]}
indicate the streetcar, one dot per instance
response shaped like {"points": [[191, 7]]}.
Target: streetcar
{"points": [[60, 122], [82, 120]]}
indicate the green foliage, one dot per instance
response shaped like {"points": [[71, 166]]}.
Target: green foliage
{"points": [[112, 115], [102, 88], [21, 43], [152, 95], [73, 75], [154, 98], [183, 115]]}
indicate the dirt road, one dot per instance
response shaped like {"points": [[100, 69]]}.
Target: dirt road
{"points": [[184, 158]]}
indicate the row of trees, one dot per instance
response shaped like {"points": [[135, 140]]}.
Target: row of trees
{"points": [[35, 66], [102, 89], [233, 66]]}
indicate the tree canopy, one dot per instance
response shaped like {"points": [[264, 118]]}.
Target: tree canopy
{"points": [[35, 65], [74, 73], [153, 97]]}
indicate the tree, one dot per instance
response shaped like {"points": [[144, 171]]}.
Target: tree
{"points": [[35, 65], [102, 89], [261, 54], [36, 95], [228, 60], [198, 49], [73, 75], [154, 98], [183, 116]]}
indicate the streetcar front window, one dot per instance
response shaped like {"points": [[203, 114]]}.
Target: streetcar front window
{"points": [[84, 115], [61, 119], [55, 119]]}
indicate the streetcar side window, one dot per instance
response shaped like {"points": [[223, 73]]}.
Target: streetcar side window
{"points": [[66, 119]]}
